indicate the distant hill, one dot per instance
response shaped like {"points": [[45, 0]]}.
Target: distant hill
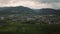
{"points": [[26, 10], [15, 10], [48, 11]]}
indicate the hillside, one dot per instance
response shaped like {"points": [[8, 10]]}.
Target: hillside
{"points": [[15, 10], [48, 11], [26, 10]]}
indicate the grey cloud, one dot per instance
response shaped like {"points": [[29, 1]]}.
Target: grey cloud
{"points": [[53, 3], [4, 1], [49, 1], [41, 1]]}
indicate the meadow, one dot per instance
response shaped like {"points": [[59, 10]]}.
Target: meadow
{"points": [[18, 28]]}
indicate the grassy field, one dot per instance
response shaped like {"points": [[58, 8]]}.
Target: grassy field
{"points": [[21, 28], [30, 29]]}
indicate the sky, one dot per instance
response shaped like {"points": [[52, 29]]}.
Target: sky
{"points": [[35, 4]]}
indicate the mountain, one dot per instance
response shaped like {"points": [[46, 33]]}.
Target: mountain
{"points": [[15, 10], [48, 11], [26, 10], [58, 11]]}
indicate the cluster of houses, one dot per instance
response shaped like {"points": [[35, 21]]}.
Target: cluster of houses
{"points": [[39, 19]]}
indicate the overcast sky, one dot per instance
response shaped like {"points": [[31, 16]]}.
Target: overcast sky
{"points": [[32, 3]]}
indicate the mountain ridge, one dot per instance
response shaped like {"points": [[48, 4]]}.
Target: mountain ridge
{"points": [[26, 10]]}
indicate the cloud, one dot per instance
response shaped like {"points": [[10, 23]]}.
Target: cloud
{"points": [[27, 3], [54, 3], [48, 1], [31, 3]]}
